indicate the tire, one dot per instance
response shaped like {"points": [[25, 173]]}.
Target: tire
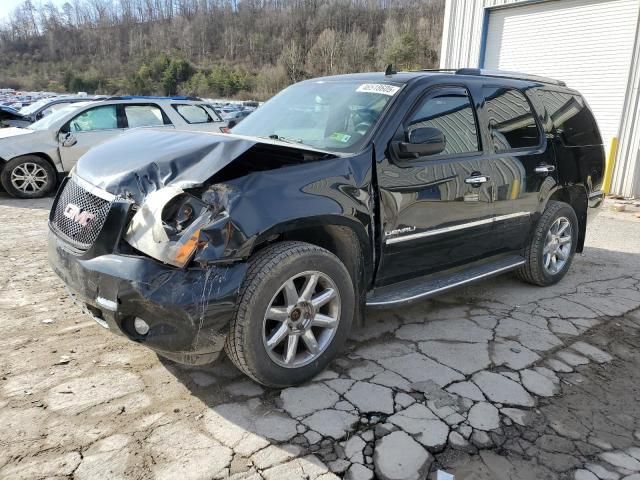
{"points": [[44, 179], [535, 271], [263, 288]]}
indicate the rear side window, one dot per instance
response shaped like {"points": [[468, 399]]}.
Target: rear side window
{"points": [[571, 118], [143, 115], [510, 119], [451, 113], [193, 113]]}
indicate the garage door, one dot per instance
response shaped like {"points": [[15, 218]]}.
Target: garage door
{"points": [[588, 44]]}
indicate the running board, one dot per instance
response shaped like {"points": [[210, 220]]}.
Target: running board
{"points": [[425, 287]]}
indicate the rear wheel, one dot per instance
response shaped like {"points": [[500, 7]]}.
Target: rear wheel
{"points": [[294, 313], [28, 177], [550, 252]]}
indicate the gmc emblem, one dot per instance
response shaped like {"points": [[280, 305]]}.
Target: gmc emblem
{"points": [[76, 214]]}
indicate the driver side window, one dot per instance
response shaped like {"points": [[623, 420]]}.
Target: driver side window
{"points": [[451, 113], [98, 118]]}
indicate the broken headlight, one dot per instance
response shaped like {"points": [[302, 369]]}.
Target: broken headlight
{"points": [[167, 226]]}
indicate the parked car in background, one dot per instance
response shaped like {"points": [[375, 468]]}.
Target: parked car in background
{"points": [[359, 190], [33, 159], [10, 117], [46, 106], [233, 118]]}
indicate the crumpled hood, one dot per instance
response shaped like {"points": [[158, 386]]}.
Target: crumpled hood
{"points": [[142, 161], [14, 132]]}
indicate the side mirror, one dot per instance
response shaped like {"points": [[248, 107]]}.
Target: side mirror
{"points": [[423, 141], [67, 139]]}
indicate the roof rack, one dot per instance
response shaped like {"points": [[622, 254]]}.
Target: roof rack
{"points": [[506, 74], [437, 70], [151, 97]]}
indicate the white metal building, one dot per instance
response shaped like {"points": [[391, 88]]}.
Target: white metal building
{"points": [[593, 45]]}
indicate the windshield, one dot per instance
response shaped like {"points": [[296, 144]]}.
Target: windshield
{"points": [[46, 122], [324, 115], [28, 110]]}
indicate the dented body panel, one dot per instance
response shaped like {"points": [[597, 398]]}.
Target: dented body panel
{"points": [[188, 310], [251, 191]]}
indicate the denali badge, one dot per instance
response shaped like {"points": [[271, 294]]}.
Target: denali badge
{"points": [[399, 231], [76, 214]]}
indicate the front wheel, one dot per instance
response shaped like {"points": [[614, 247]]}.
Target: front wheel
{"points": [[552, 247], [28, 177], [294, 313]]}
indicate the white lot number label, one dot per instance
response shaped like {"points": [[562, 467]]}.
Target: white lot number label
{"points": [[383, 88]]}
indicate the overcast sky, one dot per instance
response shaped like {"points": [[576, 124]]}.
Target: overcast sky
{"points": [[7, 6]]}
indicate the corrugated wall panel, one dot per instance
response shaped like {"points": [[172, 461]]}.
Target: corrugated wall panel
{"points": [[626, 180], [463, 31]]}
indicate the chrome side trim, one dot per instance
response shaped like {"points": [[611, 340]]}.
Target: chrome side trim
{"points": [[98, 192], [454, 228], [429, 293]]}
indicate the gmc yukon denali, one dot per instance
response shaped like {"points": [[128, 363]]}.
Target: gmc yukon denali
{"points": [[339, 194]]}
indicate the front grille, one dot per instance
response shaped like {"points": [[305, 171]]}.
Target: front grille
{"points": [[83, 204]]}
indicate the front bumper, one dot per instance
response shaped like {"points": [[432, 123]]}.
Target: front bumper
{"points": [[188, 310]]}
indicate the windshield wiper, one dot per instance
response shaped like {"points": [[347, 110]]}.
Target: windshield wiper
{"points": [[274, 136]]}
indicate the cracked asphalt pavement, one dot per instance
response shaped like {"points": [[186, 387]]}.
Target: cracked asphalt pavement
{"points": [[499, 380]]}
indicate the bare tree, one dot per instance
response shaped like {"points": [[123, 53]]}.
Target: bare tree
{"points": [[103, 44]]}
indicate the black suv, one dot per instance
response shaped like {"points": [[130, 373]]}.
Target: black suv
{"points": [[340, 193]]}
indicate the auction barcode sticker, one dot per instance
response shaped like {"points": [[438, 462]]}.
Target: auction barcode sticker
{"points": [[383, 88]]}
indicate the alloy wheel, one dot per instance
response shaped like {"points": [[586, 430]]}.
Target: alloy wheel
{"points": [[301, 319], [29, 177], [557, 247]]}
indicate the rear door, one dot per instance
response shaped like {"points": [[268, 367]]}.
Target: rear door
{"points": [[522, 162], [436, 210]]}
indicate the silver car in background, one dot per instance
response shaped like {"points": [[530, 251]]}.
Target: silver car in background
{"points": [[46, 106], [32, 159]]}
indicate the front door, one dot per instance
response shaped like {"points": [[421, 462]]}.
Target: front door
{"points": [[86, 130], [436, 210]]}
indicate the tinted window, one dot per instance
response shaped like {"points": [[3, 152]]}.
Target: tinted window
{"points": [[452, 114], [143, 115], [193, 113], [99, 118], [571, 118], [511, 123]]}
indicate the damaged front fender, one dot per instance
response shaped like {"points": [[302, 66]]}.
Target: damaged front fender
{"points": [[241, 191]]}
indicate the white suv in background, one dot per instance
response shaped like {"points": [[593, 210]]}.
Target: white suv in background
{"points": [[33, 158]]}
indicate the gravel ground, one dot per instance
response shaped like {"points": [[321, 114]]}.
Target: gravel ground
{"points": [[500, 380]]}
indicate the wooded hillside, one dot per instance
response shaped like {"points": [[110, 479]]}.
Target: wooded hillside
{"points": [[248, 48]]}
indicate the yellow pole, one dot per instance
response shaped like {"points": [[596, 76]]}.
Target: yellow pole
{"points": [[611, 161]]}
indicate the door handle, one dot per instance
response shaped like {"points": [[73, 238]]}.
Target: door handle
{"points": [[476, 180], [544, 169]]}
